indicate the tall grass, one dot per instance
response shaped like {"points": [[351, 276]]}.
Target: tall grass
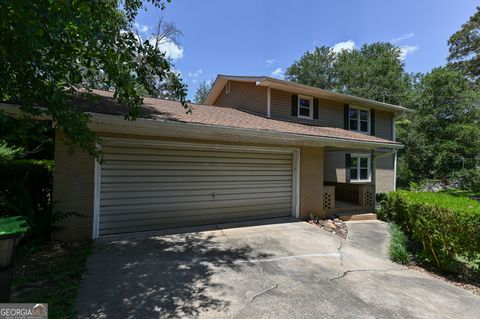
{"points": [[398, 247]]}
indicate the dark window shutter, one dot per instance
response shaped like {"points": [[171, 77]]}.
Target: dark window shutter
{"points": [[346, 108], [372, 122], [315, 109], [294, 105], [347, 167]]}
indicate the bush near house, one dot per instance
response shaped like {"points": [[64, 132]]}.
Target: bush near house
{"points": [[445, 228], [26, 189], [398, 247]]}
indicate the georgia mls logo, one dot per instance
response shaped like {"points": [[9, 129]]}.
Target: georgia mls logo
{"points": [[23, 311], [39, 310]]}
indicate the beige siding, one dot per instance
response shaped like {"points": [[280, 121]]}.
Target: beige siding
{"points": [[244, 96], [335, 167], [73, 189], [311, 182], [384, 174], [383, 124]]}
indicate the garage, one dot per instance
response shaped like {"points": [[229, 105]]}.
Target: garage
{"points": [[150, 185]]}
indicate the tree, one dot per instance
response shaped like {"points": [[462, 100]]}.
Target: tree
{"points": [[49, 50], [315, 68], [464, 47], [375, 71], [166, 34], [202, 92], [442, 136]]}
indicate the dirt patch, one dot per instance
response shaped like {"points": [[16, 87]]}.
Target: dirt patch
{"points": [[50, 272], [470, 284], [334, 226]]}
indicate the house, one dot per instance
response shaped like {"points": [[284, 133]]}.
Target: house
{"points": [[259, 148]]}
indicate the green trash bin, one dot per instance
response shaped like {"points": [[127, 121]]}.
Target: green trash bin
{"points": [[12, 230]]}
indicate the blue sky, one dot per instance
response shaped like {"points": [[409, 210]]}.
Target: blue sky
{"points": [[251, 37]]}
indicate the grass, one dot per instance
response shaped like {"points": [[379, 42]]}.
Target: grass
{"points": [[463, 193], [398, 247], [50, 273]]}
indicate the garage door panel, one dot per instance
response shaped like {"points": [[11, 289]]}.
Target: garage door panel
{"points": [[186, 159], [176, 205], [195, 166], [192, 192], [198, 172], [145, 188], [135, 151], [140, 187], [146, 225], [187, 178], [197, 199], [192, 213]]}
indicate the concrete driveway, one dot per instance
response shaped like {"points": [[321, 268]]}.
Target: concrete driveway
{"points": [[289, 269]]}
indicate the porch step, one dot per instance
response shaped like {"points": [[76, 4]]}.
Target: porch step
{"points": [[356, 216]]}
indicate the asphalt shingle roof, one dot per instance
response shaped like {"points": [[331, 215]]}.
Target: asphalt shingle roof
{"points": [[168, 110]]}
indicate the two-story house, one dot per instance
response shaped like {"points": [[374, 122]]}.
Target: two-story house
{"points": [[259, 148]]}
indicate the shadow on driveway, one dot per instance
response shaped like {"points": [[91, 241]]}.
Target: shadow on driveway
{"points": [[159, 276]]}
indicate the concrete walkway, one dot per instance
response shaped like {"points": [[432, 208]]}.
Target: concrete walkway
{"points": [[287, 269]]}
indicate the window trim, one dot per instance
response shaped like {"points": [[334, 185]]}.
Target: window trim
{"points": [[227, 87], [369, 119], [310, 109], [369, 168]]}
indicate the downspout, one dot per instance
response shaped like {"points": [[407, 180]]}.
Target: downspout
{"points": [[394, 137], [269, 101]]}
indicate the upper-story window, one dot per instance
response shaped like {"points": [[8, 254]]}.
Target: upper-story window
{"points": [[227, 87], [359, 119], [305, 107]]}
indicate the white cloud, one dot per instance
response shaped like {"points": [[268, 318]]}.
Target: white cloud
{"points": [[195, 74], [171, 49], [406, 50], [345, 45], [403, 37], [270, 62], [141, 27], [278, 72]]}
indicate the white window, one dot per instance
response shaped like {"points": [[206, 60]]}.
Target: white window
{"points": [[227, 87], [359, 120], [305, 107], [360, 168]]}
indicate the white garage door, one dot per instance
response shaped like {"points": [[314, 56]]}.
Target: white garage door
{"points": [[147, 186]]}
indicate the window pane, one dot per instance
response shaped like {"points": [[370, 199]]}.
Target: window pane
{"points": [[353, 162], [304, 103], [304, 111], [353, 113], [353, 125], [363, 162], [363, 126], [364, 173], [353, 174], [363, 115]]}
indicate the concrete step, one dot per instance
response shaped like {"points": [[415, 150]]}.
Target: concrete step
{"points": [[356, 216]]}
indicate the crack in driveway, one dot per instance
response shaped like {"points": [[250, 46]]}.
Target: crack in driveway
{"points": [[346, 272]]}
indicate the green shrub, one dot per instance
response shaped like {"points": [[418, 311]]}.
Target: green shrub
{"points": [[26, 189], [444, 226], [398, 247]]}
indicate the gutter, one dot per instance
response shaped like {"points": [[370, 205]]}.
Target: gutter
{"points": [[112, 124]]}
